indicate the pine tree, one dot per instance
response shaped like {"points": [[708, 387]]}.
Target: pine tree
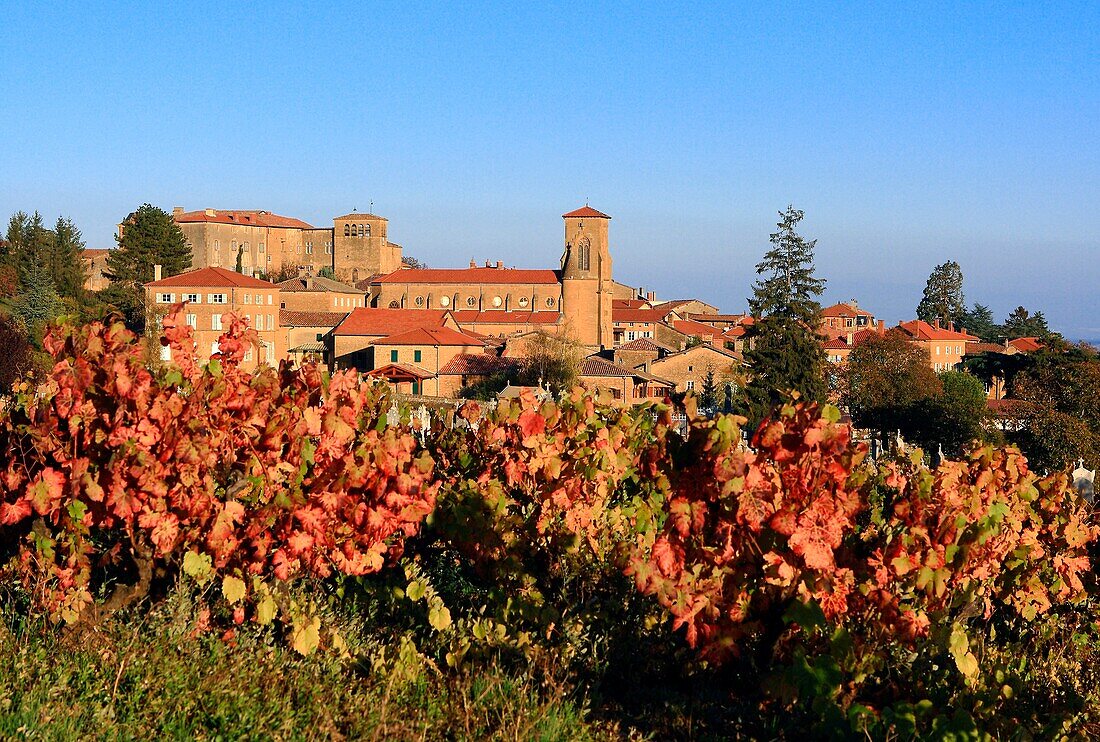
{"points": [[148, 237], [708, 394], [29, 243], [65, 263], [979, 321], [943, 295], [1022, 323], [790, 288], [787, 354], [37, 302]]}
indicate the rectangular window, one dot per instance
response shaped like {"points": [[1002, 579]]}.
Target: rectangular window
{"points": [[271, 321], [309, 248], [320, 335], [165, 298], [393, 356], [269, 300], [328, 248], [215, 322], [192, 321], [270, 355], [691, 385], [248, 298], [261, 247], [937, 350], [259, 298], [193, 298], [165, 353], [215, 298], [416, 356]]}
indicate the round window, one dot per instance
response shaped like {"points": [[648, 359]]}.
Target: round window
{"points": [[420, 301], [524, 301], [470, 301], [550, 301], [497, 301], [444, 301]]}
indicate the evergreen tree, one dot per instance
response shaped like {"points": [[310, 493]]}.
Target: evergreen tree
{"points": [[149, 237], [29, 243], [37, 302], [66, 264], [708, 394], [979, 321], [1022, 323], [787, 354], [943, 295], [789, 288]]}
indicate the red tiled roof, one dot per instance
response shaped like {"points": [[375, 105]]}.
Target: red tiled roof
{"points": [[973, 349], [430, 336], [471, 276], [247, 218], [1026, 345], [317, 284], [497, 316], [733, 319], [734, 333], [629, 303], [594, 366], [862, 335], [837, 344], [844, 310], [921, 330], [644, 344], [478, 364], [212, 277], [585, 210], [691, 327], [291, 318], [357, 215], [638, 315], [385, 322], [400, 371]]}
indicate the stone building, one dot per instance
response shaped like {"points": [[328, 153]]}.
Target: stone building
{"points": [[212, 294], [309, 293]]}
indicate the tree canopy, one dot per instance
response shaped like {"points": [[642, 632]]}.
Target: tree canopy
{"points": [[943, 295], [148, 237], [789, 288], [884, 379]]}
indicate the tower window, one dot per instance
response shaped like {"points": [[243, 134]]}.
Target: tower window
{"points": [[347, 230], [366, 231], [360, 230]]}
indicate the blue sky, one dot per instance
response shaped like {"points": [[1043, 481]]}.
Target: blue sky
{"points": [[908, 136]]}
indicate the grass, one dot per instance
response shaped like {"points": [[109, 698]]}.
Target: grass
{"points": [[145, 676]]}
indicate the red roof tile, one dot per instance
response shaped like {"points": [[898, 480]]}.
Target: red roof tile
{"points": [[837, 344], [357, 215], [317, 284], [648, 316], [1026, 345], [733, 319], [734, 333], [478, 364], [844, 310], [430, 336], [246, 218], [629, 303], [291, 318], [646, 344], [497, 316], [698, 329], [921, 330], [595, 366], [212, 277], [384, 322], [471, 276], [585, 210], [400, 371]]}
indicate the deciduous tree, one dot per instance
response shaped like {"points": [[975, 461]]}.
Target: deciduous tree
{"points": [[886, 377]]}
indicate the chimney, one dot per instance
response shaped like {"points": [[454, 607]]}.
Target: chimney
{"points": [[210, 212], [473, 263], [937, 325], [963, 331], [851, 338], [157, 271], [488, 264], [309, 282], [177, 210], [650, 296], [500, 264], [853, 304], [882, 327]]}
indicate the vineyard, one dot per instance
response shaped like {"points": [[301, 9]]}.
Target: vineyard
{"points": [[546, 569]]}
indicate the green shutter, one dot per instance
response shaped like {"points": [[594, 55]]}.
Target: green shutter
{"points": [[393, 356], [416, 356]]}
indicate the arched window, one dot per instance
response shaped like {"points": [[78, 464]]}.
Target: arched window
{"points": [[355, 275], [360, 230], [586, 257], [347, 230], [367, 230]]}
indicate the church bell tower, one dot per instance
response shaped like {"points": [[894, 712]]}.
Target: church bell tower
{"points": [[586, 285]]}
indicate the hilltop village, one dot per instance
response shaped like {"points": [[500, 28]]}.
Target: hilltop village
{"points": [[350, 299]]}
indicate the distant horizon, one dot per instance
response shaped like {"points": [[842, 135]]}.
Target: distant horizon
{"points": [[908, 136]]}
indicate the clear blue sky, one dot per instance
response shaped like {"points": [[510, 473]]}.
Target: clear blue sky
{"points": [[908, 136]]}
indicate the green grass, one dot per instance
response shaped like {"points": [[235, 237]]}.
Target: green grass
{"points": [[145, 676]]}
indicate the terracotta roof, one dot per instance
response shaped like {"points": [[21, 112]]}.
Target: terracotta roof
{"points": [[478, 364], [644, 344], [1026, 345], [292, 318], [638, 315], [585, 210], [386, 322], [357, 215], [734, 333], [430, 336], [247, 218], [701, 349], [317, 283], [595, 366], [921, 330], [629, 304], [837, 344], [312, 347], [392, 370], [212, 277], [497, 316], [733, 319], [691, 327], [973, 349], [844, 310], [471, 276], [365, 284], [862, 335]]}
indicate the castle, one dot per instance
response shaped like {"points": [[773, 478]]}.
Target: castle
{"points": [[491, 300]]}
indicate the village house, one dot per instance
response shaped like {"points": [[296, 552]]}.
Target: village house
{"points": [[94, 261], [688, 368], [211, 295], [624, 386], [305, 333], [843, 319], [309, 293], [352, 341], [945, 345]]}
